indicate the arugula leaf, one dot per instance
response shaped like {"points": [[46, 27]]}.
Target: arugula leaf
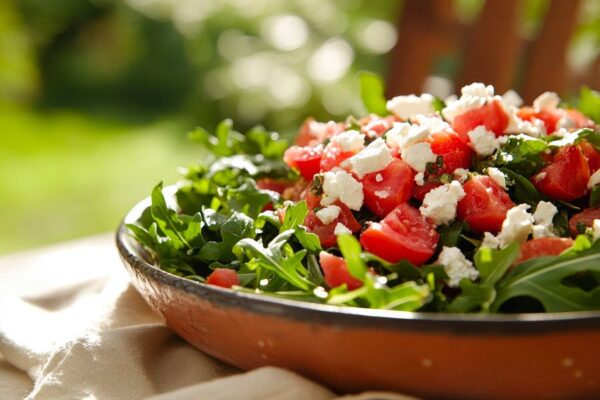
{"points": [[589, 135], [521, 154], [372, 93], [524, 191], [595, 197], [450, 234], [237, 227], [492, 266], [438, 104], [167, 219], [351, 251], [589, 103], [294, 218], [544, 280]]}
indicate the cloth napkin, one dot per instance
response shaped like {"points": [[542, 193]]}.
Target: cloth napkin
{"points": [[72, 327]]}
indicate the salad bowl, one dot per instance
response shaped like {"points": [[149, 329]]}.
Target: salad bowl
{"points": [[518, 356]]}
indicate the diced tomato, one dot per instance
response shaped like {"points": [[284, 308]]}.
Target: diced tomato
{"points": [[591, 155], [275, 185], [333, 157], [313, 132], [326, 232], [485, 204], [548, 117], [585, 218], [566, 177], [394, 187], [374, 125], [335, 272], [223, 277], [403, 234], [547, 246], [312, 200], [455, 152], [421, 191], [581, 121], [492, 115], [307, 159]]}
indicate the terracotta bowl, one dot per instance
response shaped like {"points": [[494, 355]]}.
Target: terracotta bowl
{"points": [[520, 356]]}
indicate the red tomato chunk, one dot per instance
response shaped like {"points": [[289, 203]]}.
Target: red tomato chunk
{"points": [[326, 233], [566, 177], [335, 272], [223, 277], [585, 218], [403, 234], [547, 246], [307, 160], [386, 189], [492, 116]]}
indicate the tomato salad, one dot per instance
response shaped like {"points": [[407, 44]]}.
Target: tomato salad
{"points": [[472, 204]]}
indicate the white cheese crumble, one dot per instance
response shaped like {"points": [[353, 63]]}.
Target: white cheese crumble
{"points": [[403, 134], [338, 184], [461, 174], [328, 214], [472, 96], [596, 229], [543, 216], [375, 157], [546, 101], [539, 177], [568, 138], [594, 180], [433, 123], [378, 178], [440, 203], [498, 176], [512, 98], [420, 179], [418, 155], [516, 227], [341, 229], [406, 107], [483, 141], [327, 201], [533, 128], [382, 194], [457, 266], [349, 140], [565, 122]]}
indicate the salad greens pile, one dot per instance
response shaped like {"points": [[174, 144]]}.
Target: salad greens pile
{"points": [[223, 219]]}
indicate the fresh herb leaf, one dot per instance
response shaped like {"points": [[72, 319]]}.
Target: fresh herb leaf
{"points": [[523, 189], [521, 154], [237, 227], [595, 197], [589, 103], [372, 93]]}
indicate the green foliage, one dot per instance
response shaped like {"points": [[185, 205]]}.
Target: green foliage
{"points": [[372, 93], [589, 103], [521, 155]]}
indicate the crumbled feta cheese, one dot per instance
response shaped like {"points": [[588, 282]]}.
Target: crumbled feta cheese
{"points": [[565, 123], [568, 139], [338, 184], [382, 194], [418, 155], [410, 106], [457, 266], [512, 98], [596, 229], [341, 229], [439, 204], [327, 201], [517, 225], [349, 140], [378, 178], [543, 216], [403, 134], [483, 141], [460, 174], [533, 128], [546, 101], [420, 179], [433, 124], [472, 96], [594, 180], [490, 241], [375, 157], [539, 177], [498, 176], [328, 214]]}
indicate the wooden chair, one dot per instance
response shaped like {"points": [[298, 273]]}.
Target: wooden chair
{"points": [[490, 50]]}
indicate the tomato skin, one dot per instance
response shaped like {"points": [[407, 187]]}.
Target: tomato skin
{"points": [[591, 155], [546, 246], [566, 177], [326, 232], [335, 272], [455, 152], [485, 204], [223, 277], [397, 181], [307, 160], [313, 132], [585, 217], [403, 234], [491, 115], [333, 156]]}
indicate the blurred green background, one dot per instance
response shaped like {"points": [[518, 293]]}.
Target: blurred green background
{"points": [[96, 96]]}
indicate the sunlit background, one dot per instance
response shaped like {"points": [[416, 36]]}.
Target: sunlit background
{"points": [[96, 97]]}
